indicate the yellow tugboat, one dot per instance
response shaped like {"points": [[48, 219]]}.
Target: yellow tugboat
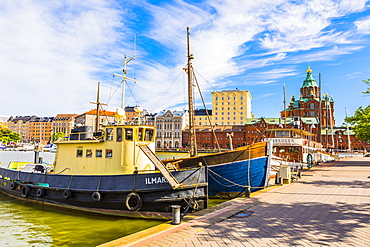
{"points": [[111, 170]]}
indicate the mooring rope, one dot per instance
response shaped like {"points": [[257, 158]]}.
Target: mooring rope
{"points": [[233, 183]]}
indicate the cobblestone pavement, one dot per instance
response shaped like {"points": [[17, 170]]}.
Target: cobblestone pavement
{"points": [[330, 206]]}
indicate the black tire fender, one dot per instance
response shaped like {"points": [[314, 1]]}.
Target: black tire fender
{"points": [[25, 191], [67, 194], [40, 192], [133, 196], [13, 185], [96, 196]]}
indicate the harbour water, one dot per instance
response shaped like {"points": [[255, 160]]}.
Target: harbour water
{"points": [[29, 224]]}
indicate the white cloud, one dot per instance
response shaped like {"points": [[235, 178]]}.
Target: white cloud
{"points": [[55, 52], [48, 54], [296, 27], [363, 25]]}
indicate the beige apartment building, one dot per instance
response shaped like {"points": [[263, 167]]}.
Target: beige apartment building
{"points": [[64, 123], [32, 129], [229, 107]]}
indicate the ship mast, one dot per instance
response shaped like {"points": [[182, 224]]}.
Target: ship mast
{"points": [[125, 62], [193, 150], [98, 104]]}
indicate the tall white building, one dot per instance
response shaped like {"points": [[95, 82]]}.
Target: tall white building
{"points": [[169, 128]]}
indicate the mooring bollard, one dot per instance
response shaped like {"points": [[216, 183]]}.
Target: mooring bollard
{"points": [[248, 192], [176, 220]]}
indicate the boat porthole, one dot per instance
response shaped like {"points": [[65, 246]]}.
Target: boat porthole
{"points": [[25, 191], [133, 201], [13, 185], [96, 196], [40, 192], [67, 194]]}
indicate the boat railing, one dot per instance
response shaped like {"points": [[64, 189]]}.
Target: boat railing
{"points": [[84, 136]]}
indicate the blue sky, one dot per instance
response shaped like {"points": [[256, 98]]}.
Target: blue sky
{"points": [[54, 52]]}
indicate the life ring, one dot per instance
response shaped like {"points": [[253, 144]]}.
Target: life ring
{"points": [[13, 185], [96, 196], [133, 198], [67, 194], [40, 192], [25, 191]]}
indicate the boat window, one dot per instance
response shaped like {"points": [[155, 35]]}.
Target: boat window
{"points": [[88, 153], [282, 150], [109, 134], [99, 153], [108, 153], [149, 135], [140, 134], [282, 133], [79, 153], [129, 134], [119, 134]]}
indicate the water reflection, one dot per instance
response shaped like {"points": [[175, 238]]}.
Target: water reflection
{"points": [[28, 224]]}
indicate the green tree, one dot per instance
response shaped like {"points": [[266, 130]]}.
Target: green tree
{"points": [[361, 119], [361, 123], [368, 89], [6, 135], [57, 136]]}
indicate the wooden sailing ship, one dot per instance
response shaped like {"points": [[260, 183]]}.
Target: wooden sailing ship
{"points": [[230, 173]]}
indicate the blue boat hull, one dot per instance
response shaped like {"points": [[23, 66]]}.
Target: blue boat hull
{"points": [[233, 179]]}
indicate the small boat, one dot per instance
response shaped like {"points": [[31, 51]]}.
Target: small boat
{"points": [[231, 173], [296, 149], [51, 147], [26, 147], [2, 147], [112, 170]]}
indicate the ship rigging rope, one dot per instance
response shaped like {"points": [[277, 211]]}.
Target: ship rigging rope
{"points": [[165, 92], [208, 117], [240, 112]]}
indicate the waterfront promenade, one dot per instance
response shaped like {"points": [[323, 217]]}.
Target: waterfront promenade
{"points": [[329, 206]]}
